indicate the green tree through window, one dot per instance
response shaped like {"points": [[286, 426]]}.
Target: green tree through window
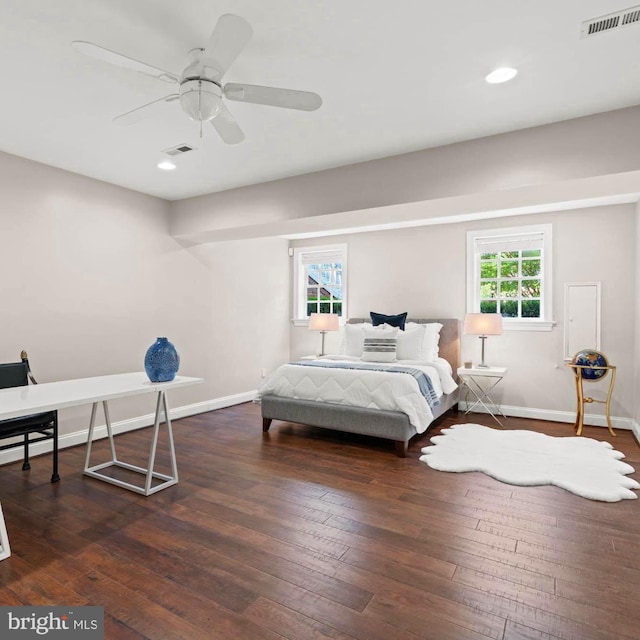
{"points": [[510, 283], [509, 272]]}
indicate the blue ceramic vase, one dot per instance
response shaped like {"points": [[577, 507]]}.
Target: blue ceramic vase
{"points": [[161, 361]]}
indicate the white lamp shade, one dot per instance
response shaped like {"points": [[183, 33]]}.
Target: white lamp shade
{"points": [[324, 322], [483, 324]]}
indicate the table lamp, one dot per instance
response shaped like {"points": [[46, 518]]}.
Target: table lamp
{"points": [[483, 325], [323, 322]]}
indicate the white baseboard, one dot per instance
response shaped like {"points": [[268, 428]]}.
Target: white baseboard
{"points": [[590, 419], [80, 437], [635, 427]]}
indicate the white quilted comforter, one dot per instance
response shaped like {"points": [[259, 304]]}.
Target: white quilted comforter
{"points": [[363, 388]]}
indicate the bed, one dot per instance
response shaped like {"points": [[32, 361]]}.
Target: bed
{"points": [[397, 425]]}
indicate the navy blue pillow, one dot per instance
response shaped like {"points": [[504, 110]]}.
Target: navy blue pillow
{"points": [[394, 321]]}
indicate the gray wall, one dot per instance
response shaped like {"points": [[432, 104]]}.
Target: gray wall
{"points": [[422, 271], [91, 276], [538, 159], [587, 160], [636, 351]]}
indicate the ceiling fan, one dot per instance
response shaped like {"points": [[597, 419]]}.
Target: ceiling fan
{"points": [[200, 90]]}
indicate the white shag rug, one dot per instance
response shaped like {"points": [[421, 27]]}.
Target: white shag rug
{"points": [[584, 466]]}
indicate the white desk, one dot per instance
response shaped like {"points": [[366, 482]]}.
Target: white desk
{"points": [[470, 380], [21, 401], [5, 549]]}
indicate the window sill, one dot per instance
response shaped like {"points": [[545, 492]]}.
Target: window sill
{"points": [[528, 325]]}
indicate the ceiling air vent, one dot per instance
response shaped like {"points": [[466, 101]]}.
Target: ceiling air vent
{"points": [[179, 149], [610, 22]]}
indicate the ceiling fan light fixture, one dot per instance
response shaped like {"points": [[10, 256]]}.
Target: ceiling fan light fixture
{"points": [[503, 74], [199, 87], [200, 99]]}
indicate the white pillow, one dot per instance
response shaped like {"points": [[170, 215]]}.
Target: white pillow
{"points": [[410, 342], [430, 344], [353, 339], [380, 344]]}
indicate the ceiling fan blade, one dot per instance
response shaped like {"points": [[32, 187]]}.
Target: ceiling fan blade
{"points": [[145, 111], [227, 127], [229, 37], [117, 59], [273, 96]]}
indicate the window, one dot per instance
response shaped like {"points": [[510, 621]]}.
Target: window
{"points": [[509, 272], [319, 281]]}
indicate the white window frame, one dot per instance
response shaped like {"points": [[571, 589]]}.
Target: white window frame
{"points": [[300, 317], [517, 234]]}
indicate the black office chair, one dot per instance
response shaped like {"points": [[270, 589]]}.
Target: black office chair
{"points": [[18, 374]]}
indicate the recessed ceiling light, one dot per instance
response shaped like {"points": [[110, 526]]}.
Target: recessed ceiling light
{"points": [[503, 74], [166, 165]]}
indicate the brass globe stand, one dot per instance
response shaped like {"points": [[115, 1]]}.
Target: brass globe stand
{"points": [[577, 371]]}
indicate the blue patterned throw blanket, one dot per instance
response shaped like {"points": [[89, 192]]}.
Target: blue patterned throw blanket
{"points": [[424, 382]]}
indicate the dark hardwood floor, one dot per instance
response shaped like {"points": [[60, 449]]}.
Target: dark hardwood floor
{"points": [[304, 533]]}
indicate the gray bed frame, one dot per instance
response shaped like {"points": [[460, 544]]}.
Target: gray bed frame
{"points": [[390, 425]]}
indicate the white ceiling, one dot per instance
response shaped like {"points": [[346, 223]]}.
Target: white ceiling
{"points": [[394, 76]]}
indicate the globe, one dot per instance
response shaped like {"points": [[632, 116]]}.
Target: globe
{"points": [[590, 358]]}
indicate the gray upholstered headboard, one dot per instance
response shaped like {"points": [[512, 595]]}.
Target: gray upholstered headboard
{"points": [[449, 337]]}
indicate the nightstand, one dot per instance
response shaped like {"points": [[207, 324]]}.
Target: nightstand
{"points": [[472, 380]]}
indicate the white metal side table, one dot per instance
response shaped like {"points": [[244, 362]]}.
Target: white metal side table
{"points": [[471, 380]]}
